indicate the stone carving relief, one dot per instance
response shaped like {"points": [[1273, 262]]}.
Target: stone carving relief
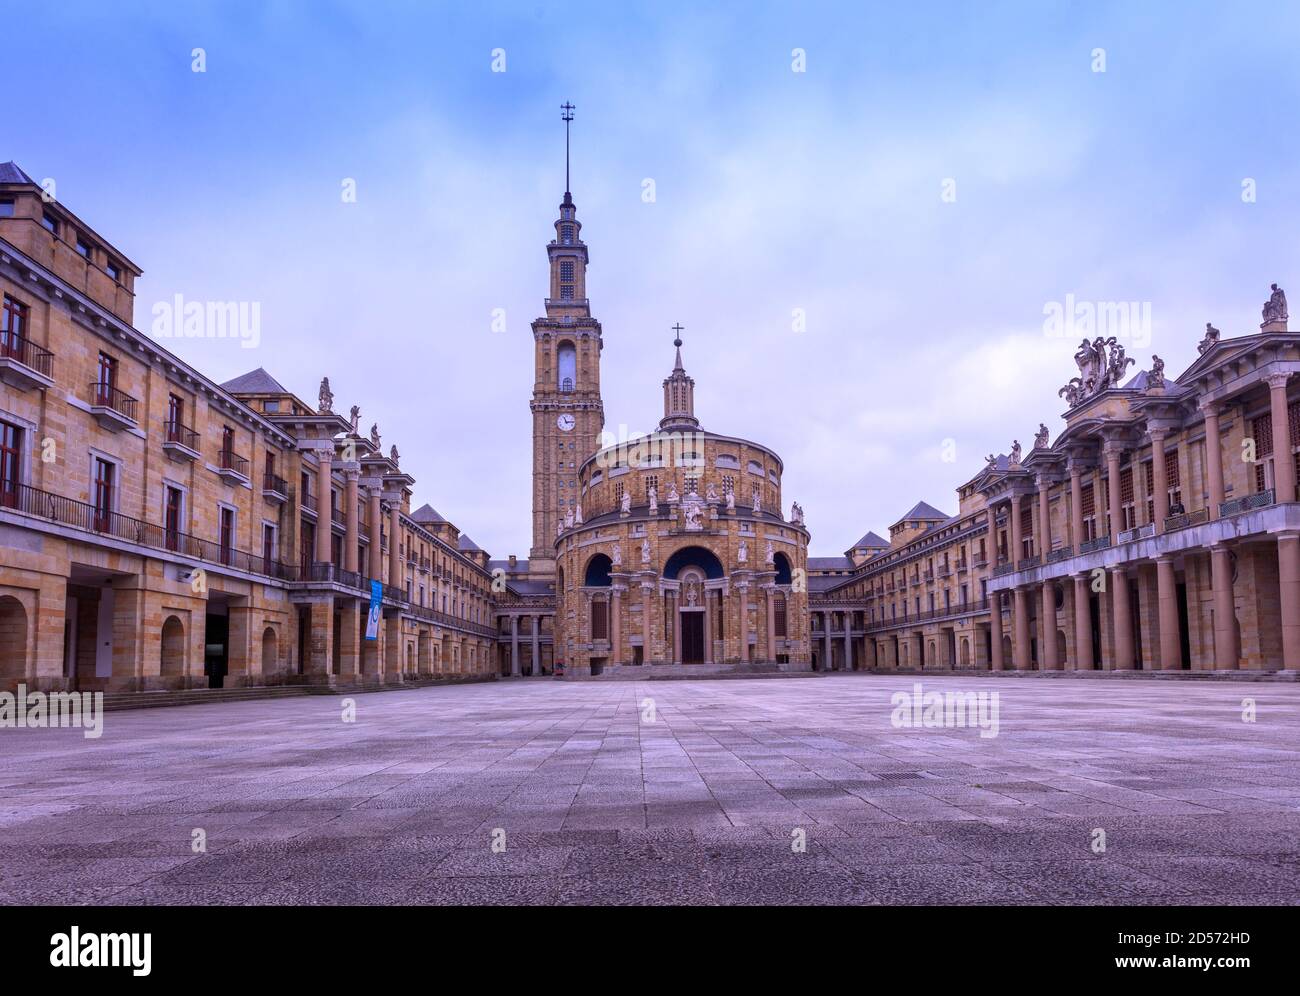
{"points": [[1101, 364]]}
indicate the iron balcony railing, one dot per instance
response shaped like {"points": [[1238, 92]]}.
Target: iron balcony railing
{"points": [[1026, 563], [232, 461], [450, 621], [952, 611], [1186, 519], [179, 432], [92, 519], [1245, 503], [308, 503], [1060, 553], [107, 396], [1099, 543], [1137, 533], [1006, 567], [336, 515], [18, 347], [274, 484]]}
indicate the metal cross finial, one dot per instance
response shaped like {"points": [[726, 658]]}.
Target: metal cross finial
{"points": [[678, 329], [566, 115]]}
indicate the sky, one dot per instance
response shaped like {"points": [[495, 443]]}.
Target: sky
{"points": [[863, 239]]}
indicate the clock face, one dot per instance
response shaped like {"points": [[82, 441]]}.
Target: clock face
{"points": [[565, 422]]}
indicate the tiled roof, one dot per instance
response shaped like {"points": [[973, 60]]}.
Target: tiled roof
{"points": [[830, 564], [869, 541], [467, 544], [255, 382], [521, 565], [11, 172], [922, 510], [1138, 382], [530, 587], [426, 513]]}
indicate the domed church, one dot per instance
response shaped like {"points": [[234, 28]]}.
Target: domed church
{"points": [[675, 554]]}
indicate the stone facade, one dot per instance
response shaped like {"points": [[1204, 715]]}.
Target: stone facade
{"points": [[1160, 531]]}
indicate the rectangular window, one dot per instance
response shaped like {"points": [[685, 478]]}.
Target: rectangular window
{"points": [[113, 272], [227, 535], [105, 479], [83, 247], [172, 517], [11, 439], [268, 547], [1127, 510], [107, 379], [50, 222], [779, 616], [15, 319], [6, 207]]}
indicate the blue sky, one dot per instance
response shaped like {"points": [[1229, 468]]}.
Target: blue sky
{"points": [[924, 346]]}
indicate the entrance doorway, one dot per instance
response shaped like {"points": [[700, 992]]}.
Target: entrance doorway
{"points": [[692, 637], [216, 658]]}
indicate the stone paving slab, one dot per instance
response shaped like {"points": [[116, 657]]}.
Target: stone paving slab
{"points": [[738, 792]]}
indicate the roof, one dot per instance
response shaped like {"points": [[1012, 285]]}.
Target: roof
{"points": [[467, 544], [521, 565], [922, 510], [830, 564], [871, 540], [825, 582], [11, 172], [1138, 382], [522, 587], [426, 513], [255, 382]]}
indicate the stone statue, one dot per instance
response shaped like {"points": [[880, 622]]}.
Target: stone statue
{"points": [[1156, 375], [742, 552], [731, 499], [625, 503], [1091, 360], [1072, 392], [1275, 306], [691, 515], [711, 493], [652, 495], [758, 502], [1211, 337], [796, 513], [559, 529], [645, 551], [616, 556], [769, 556], [356, 418], [1118, 363], [1015, 452], [392, 455], [374, 435], [992, 462], [672, 492], [568, 519], [1041, 436], [577, 514], [1101, 365], [326, 403]]}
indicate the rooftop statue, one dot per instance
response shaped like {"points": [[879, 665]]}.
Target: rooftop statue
{"points": [[1211, 337], [1156, 375], [1275, 306], [326, 403]]}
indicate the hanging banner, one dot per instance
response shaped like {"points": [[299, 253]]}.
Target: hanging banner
{"points": [[376, 610]]}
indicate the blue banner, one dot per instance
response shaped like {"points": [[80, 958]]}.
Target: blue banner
{"points": [[376, 610]]}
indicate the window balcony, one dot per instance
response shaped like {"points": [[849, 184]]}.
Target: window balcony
{"points": [[1088, 546], [1060, 553], [1137, 533], [308, 505], [180, 441], [25, 365], [1187, 519], [274, 488], [232, 467], [1245, 503], [115, 410], [337, 517]]}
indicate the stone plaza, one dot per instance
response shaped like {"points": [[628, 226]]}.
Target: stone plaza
{"points": [[780, 790]]}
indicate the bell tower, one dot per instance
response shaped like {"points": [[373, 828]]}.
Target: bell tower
{"points": [[568, 414]]}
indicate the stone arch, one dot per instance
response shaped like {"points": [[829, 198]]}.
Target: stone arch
{"points": [[1007, 661], [904, 654], [965, 652], [782, 564], [270, 651], [931, 653], [597, 572], [173, 648], [693, 556], [1060, 646], [566, 365], [13, 638]]}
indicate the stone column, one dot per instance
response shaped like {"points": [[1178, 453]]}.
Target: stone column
{"points": [[1159, 480], [848, 642], [1083, 623], [826, 641], [1288, 573], [996, 663], [1048, 659], [1044, 537], [1113, 451], [514, 646], [1283, 461], [1226, 653], [743, 592], [1015, 548], [1213, 457], [771, 624], [1123, 624], [993, 536], [351, 531], [394, 546], [1171, 656], [376, 537], [537, 646], [708, 629], [615, 603], [1076, 507], [324, 524], [1020, 612]]}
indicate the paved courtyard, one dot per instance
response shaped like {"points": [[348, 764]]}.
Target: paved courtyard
{"points": [[706, 801]]}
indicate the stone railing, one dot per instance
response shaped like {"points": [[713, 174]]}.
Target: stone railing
{"points": [[1060, 553], [1245, 503], [1088, 546], [1185, 519]]}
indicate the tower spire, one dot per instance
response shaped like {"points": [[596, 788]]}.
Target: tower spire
{"points": [[679, 394], [566, 115]]}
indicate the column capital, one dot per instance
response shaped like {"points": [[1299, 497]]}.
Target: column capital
{"points": [[1210, 407], [1277, 378], [1113, 448]]}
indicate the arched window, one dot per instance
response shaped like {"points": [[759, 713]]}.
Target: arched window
{"points": [[566, 366]]}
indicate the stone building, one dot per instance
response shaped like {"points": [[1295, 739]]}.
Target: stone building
{"points": [[1159, 531], [161, 530]]}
